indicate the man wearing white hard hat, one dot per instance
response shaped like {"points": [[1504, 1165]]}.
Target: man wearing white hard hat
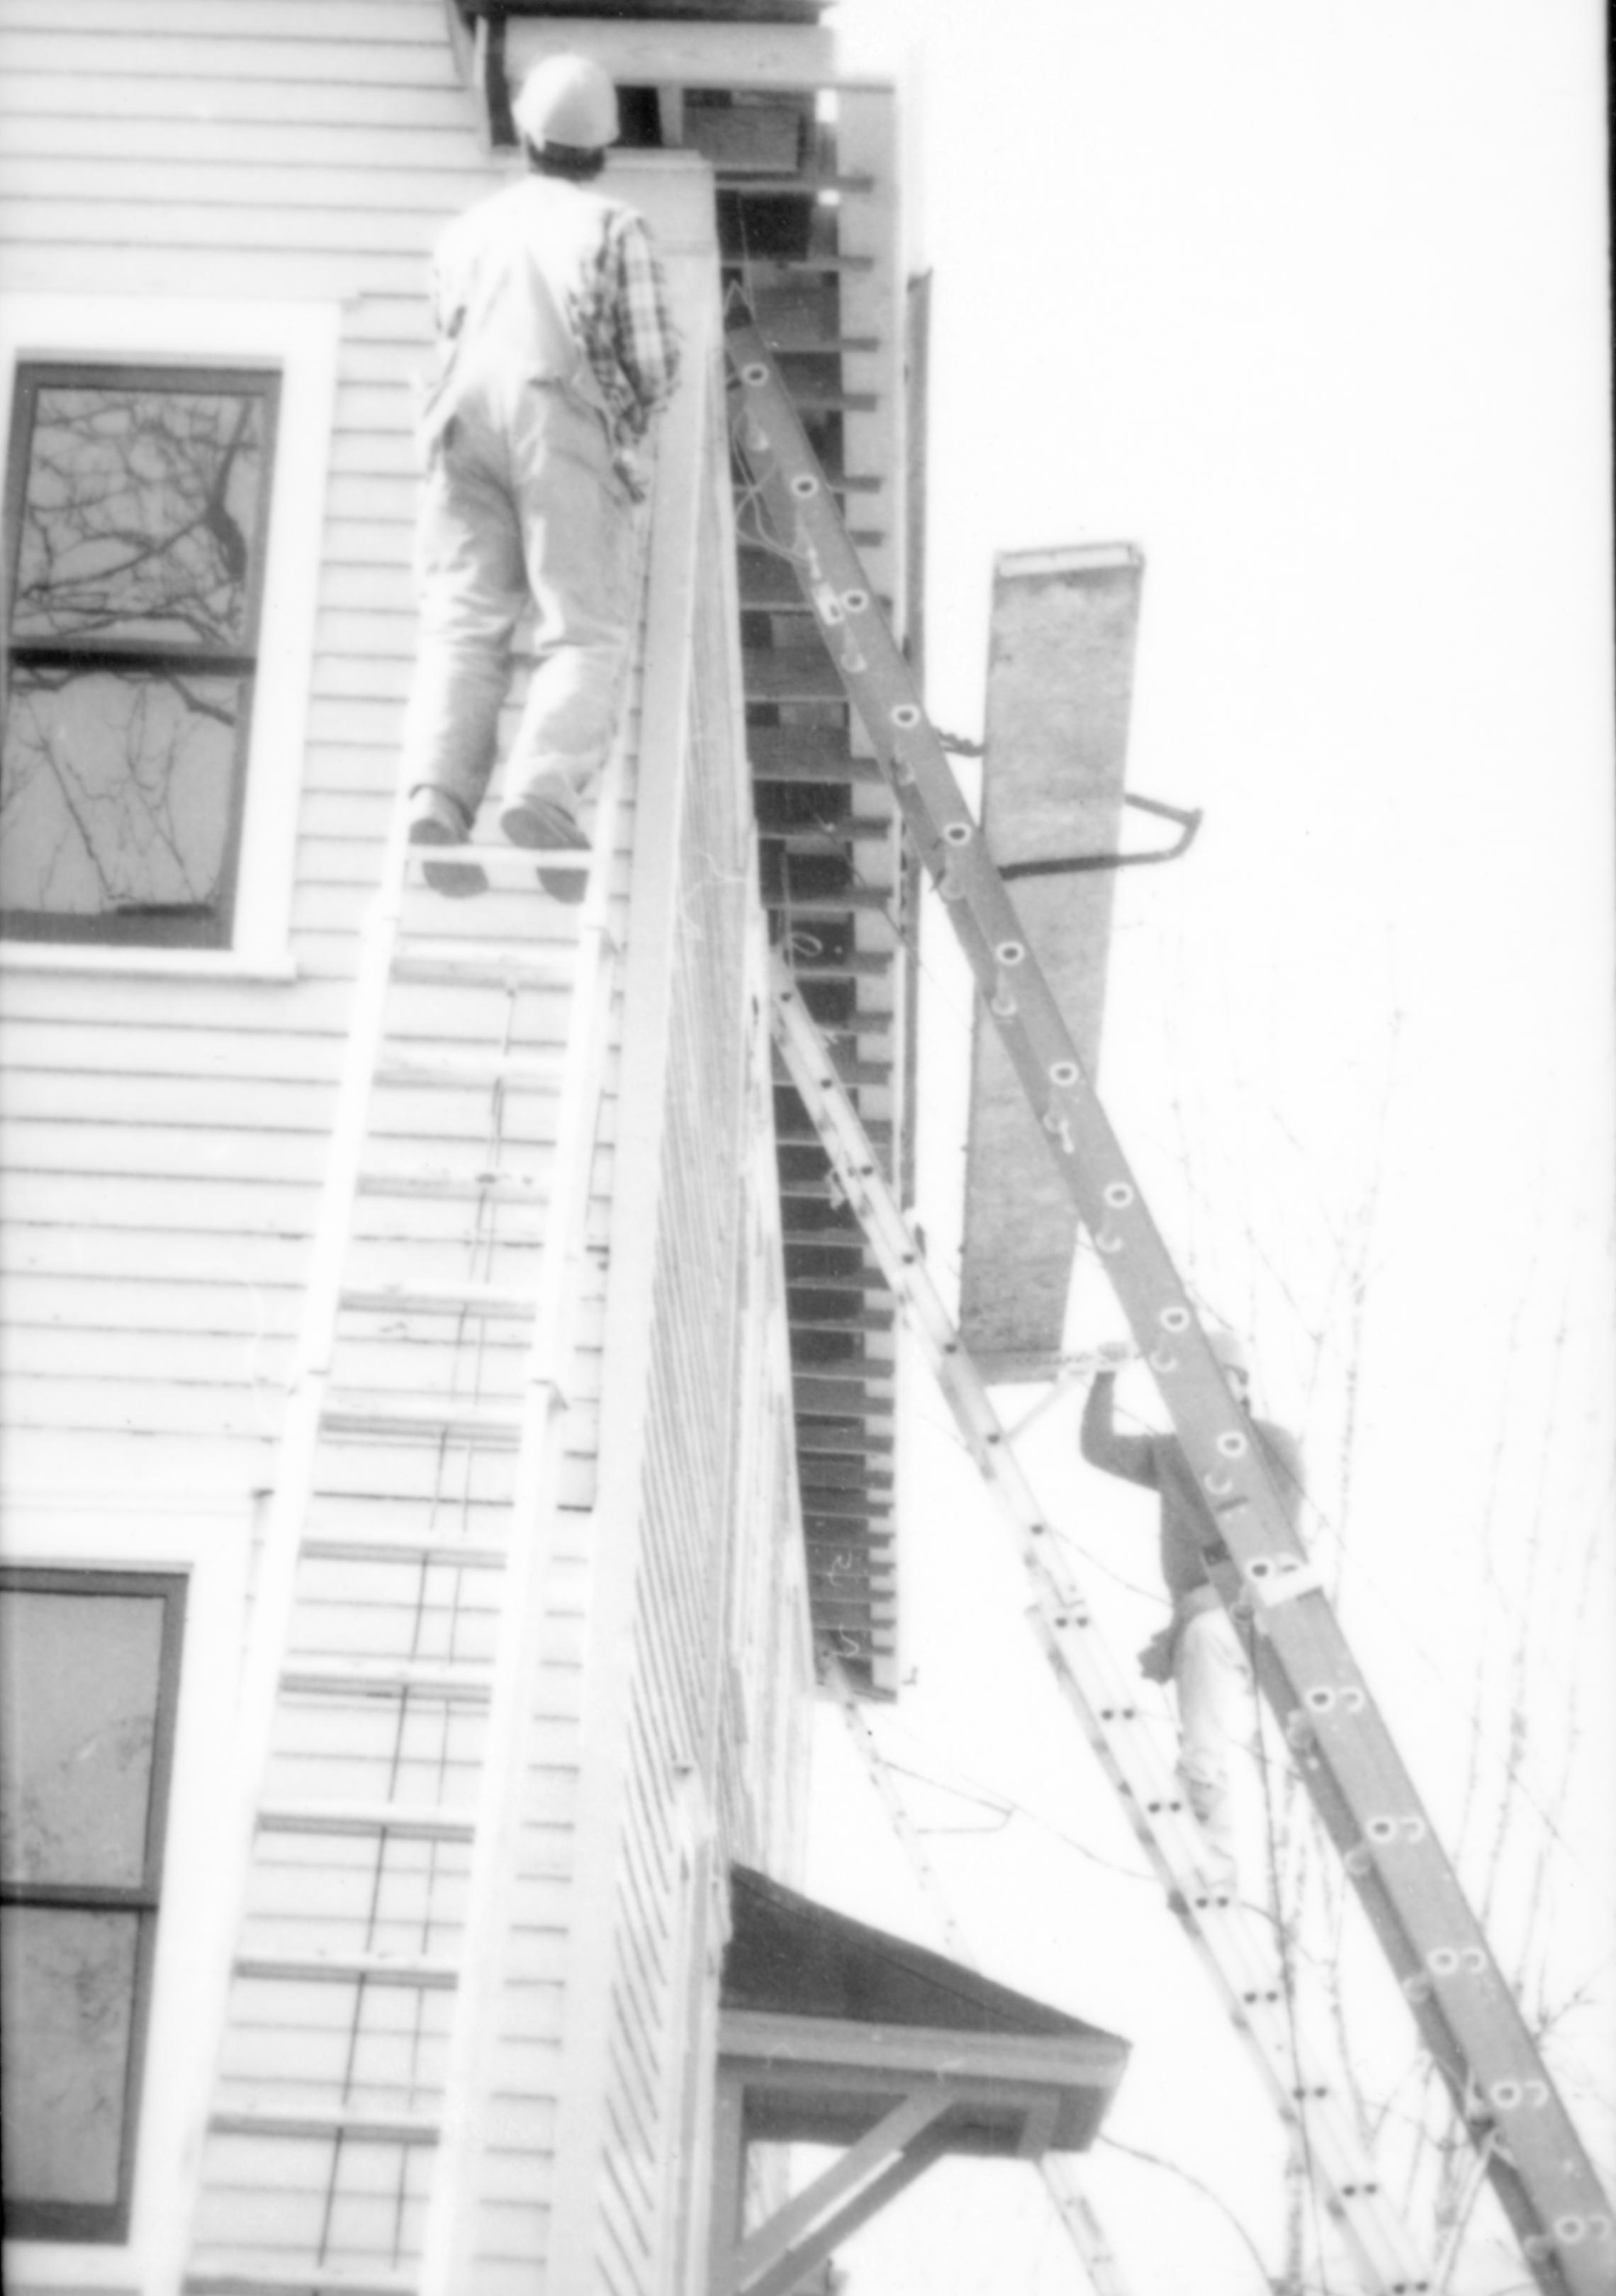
{"points": [[555, 352], [1199, 1650]]}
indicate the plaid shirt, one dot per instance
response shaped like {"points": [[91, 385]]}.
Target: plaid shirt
{"points": [[629, 337]]}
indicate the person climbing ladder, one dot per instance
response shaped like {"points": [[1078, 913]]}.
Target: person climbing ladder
{"points": [[1200, 1652], [556, 354]]}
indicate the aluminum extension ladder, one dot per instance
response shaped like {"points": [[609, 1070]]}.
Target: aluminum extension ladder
{"points": [[1466, 2014], [1237, 1947], [401, 1592]]}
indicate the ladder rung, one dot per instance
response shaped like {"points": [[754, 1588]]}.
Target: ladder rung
{"points": [[456, 1187], [871, 1320], [383, 1677], [465, 1423], [810, 400], [734, 179], [492, 1299], [805, 343], [357, 2127], [853, 1279], [798, 673], [855, 1074], [316, 2280], [391, 1547], [413, 1969], [856, 1023], [483, 965], [792, 758], [770, 270], [876, 897], [858, 964], [791, 1133], [817, 839], [505, 865], [470, 1072], [407, 1820]]}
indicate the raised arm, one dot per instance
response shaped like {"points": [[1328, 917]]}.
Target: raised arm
{"points": [[1284, 1461], [1131, 1456]]}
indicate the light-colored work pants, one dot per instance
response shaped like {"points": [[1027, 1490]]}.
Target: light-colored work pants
{"points": [[1215, 1725], [520, 504]]}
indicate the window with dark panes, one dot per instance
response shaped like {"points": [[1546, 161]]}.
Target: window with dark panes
{"points": [[89, 1661], [136, 518]]}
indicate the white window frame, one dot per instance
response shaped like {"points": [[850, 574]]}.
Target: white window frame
{"points": [[299, 342], [208, 1538]]}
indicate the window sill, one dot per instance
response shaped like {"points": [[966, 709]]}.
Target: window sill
{"points": [[68, 2266], [154, 964]]}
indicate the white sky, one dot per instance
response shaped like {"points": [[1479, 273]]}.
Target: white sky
{"points": [[1308, 301]]}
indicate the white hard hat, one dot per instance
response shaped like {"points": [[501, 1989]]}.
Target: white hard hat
{"points": [[568, 100], [1229, 1348]]}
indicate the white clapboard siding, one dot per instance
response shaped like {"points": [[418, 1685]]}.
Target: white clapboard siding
{"points": [[295, 156], [42, 89], [125, 49], [411, 198], [219, 26], [103, 1146], [686, 1499], [163, 1139], [164, 1134], [44, 269], [372, 232], [446, 1017]]}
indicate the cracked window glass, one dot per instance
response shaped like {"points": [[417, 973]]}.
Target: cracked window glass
{"points": [[137, 503], [88, 1677]]}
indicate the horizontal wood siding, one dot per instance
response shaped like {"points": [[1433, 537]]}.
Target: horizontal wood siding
{"points": [[719, 1578], [684, 1493], [163, 1139]]}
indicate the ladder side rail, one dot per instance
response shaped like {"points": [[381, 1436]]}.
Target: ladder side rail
{"points": [[1077, 2211], [448, 2239], [274, 1579], [1147, 1785], [1276, 2018], [1475, 2109], [1518, 2116]]}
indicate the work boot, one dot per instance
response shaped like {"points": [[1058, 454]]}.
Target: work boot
{"points": [[437, 818], [544, 823]]}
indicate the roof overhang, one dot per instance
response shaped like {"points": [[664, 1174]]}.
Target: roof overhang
{"points": [[826, 2080], [827, 2020], [1060, 691], [938, 2060], [667, 48]]}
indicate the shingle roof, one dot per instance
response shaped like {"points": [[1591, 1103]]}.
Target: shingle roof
{"points": [[787, 1954]]}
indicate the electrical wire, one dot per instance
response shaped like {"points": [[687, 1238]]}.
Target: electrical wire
{"points": [[1287, 1970], [1175, 2169], [992, 1798]]}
